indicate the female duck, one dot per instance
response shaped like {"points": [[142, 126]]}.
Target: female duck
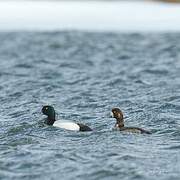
{"points": [[118, 115], [51, 120]]}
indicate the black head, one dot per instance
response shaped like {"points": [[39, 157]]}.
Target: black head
{"points": [[118, 115], [50, 112]]}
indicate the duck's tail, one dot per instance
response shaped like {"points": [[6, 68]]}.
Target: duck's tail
{"points": [[84, 127]]}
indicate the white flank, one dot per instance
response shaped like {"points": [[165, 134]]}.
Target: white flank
{"points": [[66, 125]]}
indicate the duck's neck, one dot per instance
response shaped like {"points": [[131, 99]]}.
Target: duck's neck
{"points": [[51, 119], [119, 122]]}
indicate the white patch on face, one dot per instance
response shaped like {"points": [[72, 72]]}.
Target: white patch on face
{"points": [[111, 114]]}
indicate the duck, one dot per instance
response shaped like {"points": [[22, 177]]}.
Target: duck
{"points": [[68, 125], [118, 115]]}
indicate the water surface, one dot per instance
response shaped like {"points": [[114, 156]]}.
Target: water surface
{"points": [[84, 75]]}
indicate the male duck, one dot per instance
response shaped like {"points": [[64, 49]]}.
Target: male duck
{"points": [[69, 125]]}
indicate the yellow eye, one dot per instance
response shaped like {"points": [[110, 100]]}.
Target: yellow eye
{"points": [[46, 108]]}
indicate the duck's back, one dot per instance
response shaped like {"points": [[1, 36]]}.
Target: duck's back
{"points": [[134, 130]]}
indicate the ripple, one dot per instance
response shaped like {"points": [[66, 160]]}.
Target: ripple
{"points": [[170, 107], [172, 98], [26, 66], [177, 147], [19, 129]]}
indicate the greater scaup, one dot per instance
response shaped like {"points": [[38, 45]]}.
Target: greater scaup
{"points": [[118, 115], [69, 125]]}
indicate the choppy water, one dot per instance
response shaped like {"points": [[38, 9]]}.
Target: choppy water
{"points": [[84, 75]]}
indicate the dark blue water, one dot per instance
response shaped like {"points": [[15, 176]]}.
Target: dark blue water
{"points": [[84, 75]]}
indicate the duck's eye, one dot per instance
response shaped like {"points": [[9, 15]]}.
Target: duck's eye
{"points": [[46, 108]]}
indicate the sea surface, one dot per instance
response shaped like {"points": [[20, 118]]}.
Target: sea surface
{"points": [[84, 75]]}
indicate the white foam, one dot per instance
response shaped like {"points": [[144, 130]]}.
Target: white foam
{"points": [[90, 16]]}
